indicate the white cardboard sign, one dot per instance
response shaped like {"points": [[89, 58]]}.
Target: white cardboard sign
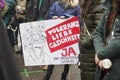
{"points": [[50, 41]]}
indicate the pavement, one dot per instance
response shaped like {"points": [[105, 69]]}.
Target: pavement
{"points": [[36, 73]]}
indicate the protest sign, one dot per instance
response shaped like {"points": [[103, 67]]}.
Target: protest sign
{"points": [[50, 41]]}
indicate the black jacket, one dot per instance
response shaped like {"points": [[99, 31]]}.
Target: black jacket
{"points": [[8, 67]]}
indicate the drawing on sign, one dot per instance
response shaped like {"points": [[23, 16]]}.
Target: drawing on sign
{"points": [[35, 38]]}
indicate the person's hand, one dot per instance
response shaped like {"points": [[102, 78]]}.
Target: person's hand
{"points": [[97, 59], [62, 17], [98, 62], [55, 17]]}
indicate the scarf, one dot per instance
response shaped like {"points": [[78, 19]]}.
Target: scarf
{"points": [[109, 27]]}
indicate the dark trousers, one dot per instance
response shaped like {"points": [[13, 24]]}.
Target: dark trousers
{"points": [[50, 71]]}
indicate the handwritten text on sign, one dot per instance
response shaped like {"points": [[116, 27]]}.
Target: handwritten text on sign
{"points": [[50, 42], [63, 35]]}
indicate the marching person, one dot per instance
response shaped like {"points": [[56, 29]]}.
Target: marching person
{"points": [[92, 10], [62, 9], [107, 43]]}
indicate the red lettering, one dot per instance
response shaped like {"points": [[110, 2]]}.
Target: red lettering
{"points": [[71, 51], [64, 54], [68, 51]]}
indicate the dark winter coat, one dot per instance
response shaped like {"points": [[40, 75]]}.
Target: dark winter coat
{"points": [[112, 50], [87, 52], [8, 67]]}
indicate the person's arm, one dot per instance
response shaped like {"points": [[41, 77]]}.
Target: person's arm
{"points": [[98, 35], [79, 14], [52, 10], [105, 51], [98, 39], [110, 51], [51, 2]]}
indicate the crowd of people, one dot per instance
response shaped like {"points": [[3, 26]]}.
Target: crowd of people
{"points": [[99, 36]]}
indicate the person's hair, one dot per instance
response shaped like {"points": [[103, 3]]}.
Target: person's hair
{"points": [[69, 3], [88, 6], [74, 3]]}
